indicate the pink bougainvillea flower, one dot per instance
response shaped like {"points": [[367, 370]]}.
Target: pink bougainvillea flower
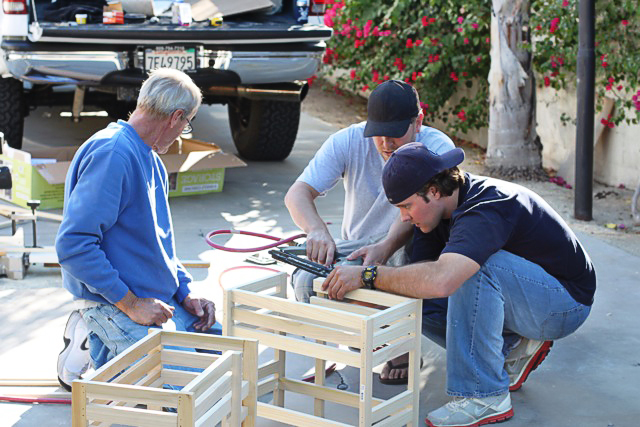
{"points": [[475, 25], [460, 19], [434, 42], [453, 76], [554, 25], [409, 43], [365, 88], [479, 59], [459, 29], [418, 42], [386, 77], [311, 79], [466, 40], [608, 87], [625, 22], [425, 21], [605, 64], [353, 74], [547, 81], [619, 87], [565, 3], [487, 40], [424, 106], [462, 116]]}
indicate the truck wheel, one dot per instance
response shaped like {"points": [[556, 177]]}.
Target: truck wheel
{"points": [[12, 111], [264, 130]]}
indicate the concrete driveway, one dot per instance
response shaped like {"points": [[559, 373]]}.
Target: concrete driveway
{"points": [[590, 379]]}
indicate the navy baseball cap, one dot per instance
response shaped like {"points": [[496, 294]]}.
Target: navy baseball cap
{"points": [[411, 166], [391, 108]]}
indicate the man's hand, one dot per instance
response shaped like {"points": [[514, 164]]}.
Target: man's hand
{"points": [[376, 254], [320, 247], [202, 308], [145, 311], [343, 279]]}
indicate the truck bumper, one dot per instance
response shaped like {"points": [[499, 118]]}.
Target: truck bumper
{"points": [[93, 68]]}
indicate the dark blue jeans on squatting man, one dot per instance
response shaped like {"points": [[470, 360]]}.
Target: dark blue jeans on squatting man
{"points": [[112, 331], [481, 322]]}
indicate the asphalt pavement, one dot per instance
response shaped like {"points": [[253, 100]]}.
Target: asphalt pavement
{"points": [[589, 379]]}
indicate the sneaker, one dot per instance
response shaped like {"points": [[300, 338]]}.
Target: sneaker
{"points": [[524, 358], [472, 412], [74, 359]]}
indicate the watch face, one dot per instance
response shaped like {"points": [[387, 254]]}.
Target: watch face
{"points": [[368, 275]]}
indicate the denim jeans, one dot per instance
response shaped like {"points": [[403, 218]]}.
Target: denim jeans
{"points": [[111, 331], [507, 298]]}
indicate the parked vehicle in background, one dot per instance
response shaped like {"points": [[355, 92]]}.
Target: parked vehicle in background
{"points": [[257, 63]]}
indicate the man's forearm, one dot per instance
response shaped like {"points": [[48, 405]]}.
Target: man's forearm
{"points": [[301, 206]]}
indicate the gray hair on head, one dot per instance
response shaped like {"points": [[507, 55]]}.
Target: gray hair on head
{"points": [[167, 90]]}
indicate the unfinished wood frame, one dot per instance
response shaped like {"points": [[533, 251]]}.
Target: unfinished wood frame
{"points": [[260, 310], [129, 389]]}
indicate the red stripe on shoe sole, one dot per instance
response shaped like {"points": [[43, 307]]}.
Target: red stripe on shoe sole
{"points": [[491, 420], [535, 362]]}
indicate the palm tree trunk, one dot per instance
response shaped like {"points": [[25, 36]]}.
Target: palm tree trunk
{"points": [[514, 148]]}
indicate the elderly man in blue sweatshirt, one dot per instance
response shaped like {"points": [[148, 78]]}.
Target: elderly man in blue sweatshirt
{"points": [[116, 243]]}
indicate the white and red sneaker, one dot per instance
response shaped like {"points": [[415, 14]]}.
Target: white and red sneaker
{"points": [[524, 358]]}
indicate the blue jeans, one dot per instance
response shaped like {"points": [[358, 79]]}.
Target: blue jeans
{"points": [[111, 331], [507, 298]]}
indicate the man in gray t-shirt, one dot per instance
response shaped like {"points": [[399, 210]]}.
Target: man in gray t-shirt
{"points": [[357, 155]]}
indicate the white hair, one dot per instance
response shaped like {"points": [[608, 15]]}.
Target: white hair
{"points": [[167, 90]]}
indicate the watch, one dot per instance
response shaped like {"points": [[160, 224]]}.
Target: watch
{"points": [[368, 276]]}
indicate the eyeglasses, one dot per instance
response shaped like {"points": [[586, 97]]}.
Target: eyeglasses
{"points": [[189, 127]]}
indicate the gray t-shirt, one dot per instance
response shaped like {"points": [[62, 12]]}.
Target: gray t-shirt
{"points": [[349, 155]]}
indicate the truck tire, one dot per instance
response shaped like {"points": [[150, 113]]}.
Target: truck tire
{"points": [[264, 130], [12, 111]]}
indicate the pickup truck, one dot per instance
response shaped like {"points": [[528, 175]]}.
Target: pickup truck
{"points": [[256, 63]]}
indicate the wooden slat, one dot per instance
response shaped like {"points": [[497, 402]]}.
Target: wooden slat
{"points": [[299, 346], [296, 327], [203, 341], [189, 359], [139, 369], [329, 394], [131, 416], [214, 415], [398, 329], [211, 395], [394, 350], [400, 419], [266, 386], [384, 299], [392, 405], [337, 317], [291, 417], [344, 306], [175, 377], [131, 393], [268, 368], [210, 375], [127, 357], [392, 314]]}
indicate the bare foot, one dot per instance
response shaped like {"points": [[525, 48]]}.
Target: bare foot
{"points": [[395, 371]]}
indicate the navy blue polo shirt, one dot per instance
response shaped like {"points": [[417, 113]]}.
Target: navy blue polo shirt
{"points": [[492, 215]]}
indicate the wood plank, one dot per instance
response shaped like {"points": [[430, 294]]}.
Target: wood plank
{"points": [[296, 327], [329, 394], [262, 284], [189, 359], [404, 309], [344, 306], [279, 305], [266, 386], [203, 341], [397, 330], [127, 357], [384, 299], [211, 395], [394, 350], [175, 377], [131, 416], [299, 346], [210, 375], [186, 410], [131, 393], [400, 419], [291, 417], [391, 406], [214, 415]]}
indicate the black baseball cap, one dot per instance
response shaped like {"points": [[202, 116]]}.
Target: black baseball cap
{"points": [[391, 107], [411, 166]]}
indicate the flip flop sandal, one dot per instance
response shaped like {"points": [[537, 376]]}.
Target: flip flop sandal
{"points": [[396, 381]]}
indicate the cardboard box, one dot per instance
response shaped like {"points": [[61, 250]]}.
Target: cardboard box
{"points": [[194, 167]]}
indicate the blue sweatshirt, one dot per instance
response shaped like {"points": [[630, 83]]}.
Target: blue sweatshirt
{"points": [[116, 234]]}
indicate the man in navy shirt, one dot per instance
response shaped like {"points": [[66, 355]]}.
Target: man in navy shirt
{"points": [[515, 275]]}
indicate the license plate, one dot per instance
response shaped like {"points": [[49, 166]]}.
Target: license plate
{"points": [[180, 58]]}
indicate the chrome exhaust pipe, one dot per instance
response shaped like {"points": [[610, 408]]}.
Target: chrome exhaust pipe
{"points": [[291, 92]]}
